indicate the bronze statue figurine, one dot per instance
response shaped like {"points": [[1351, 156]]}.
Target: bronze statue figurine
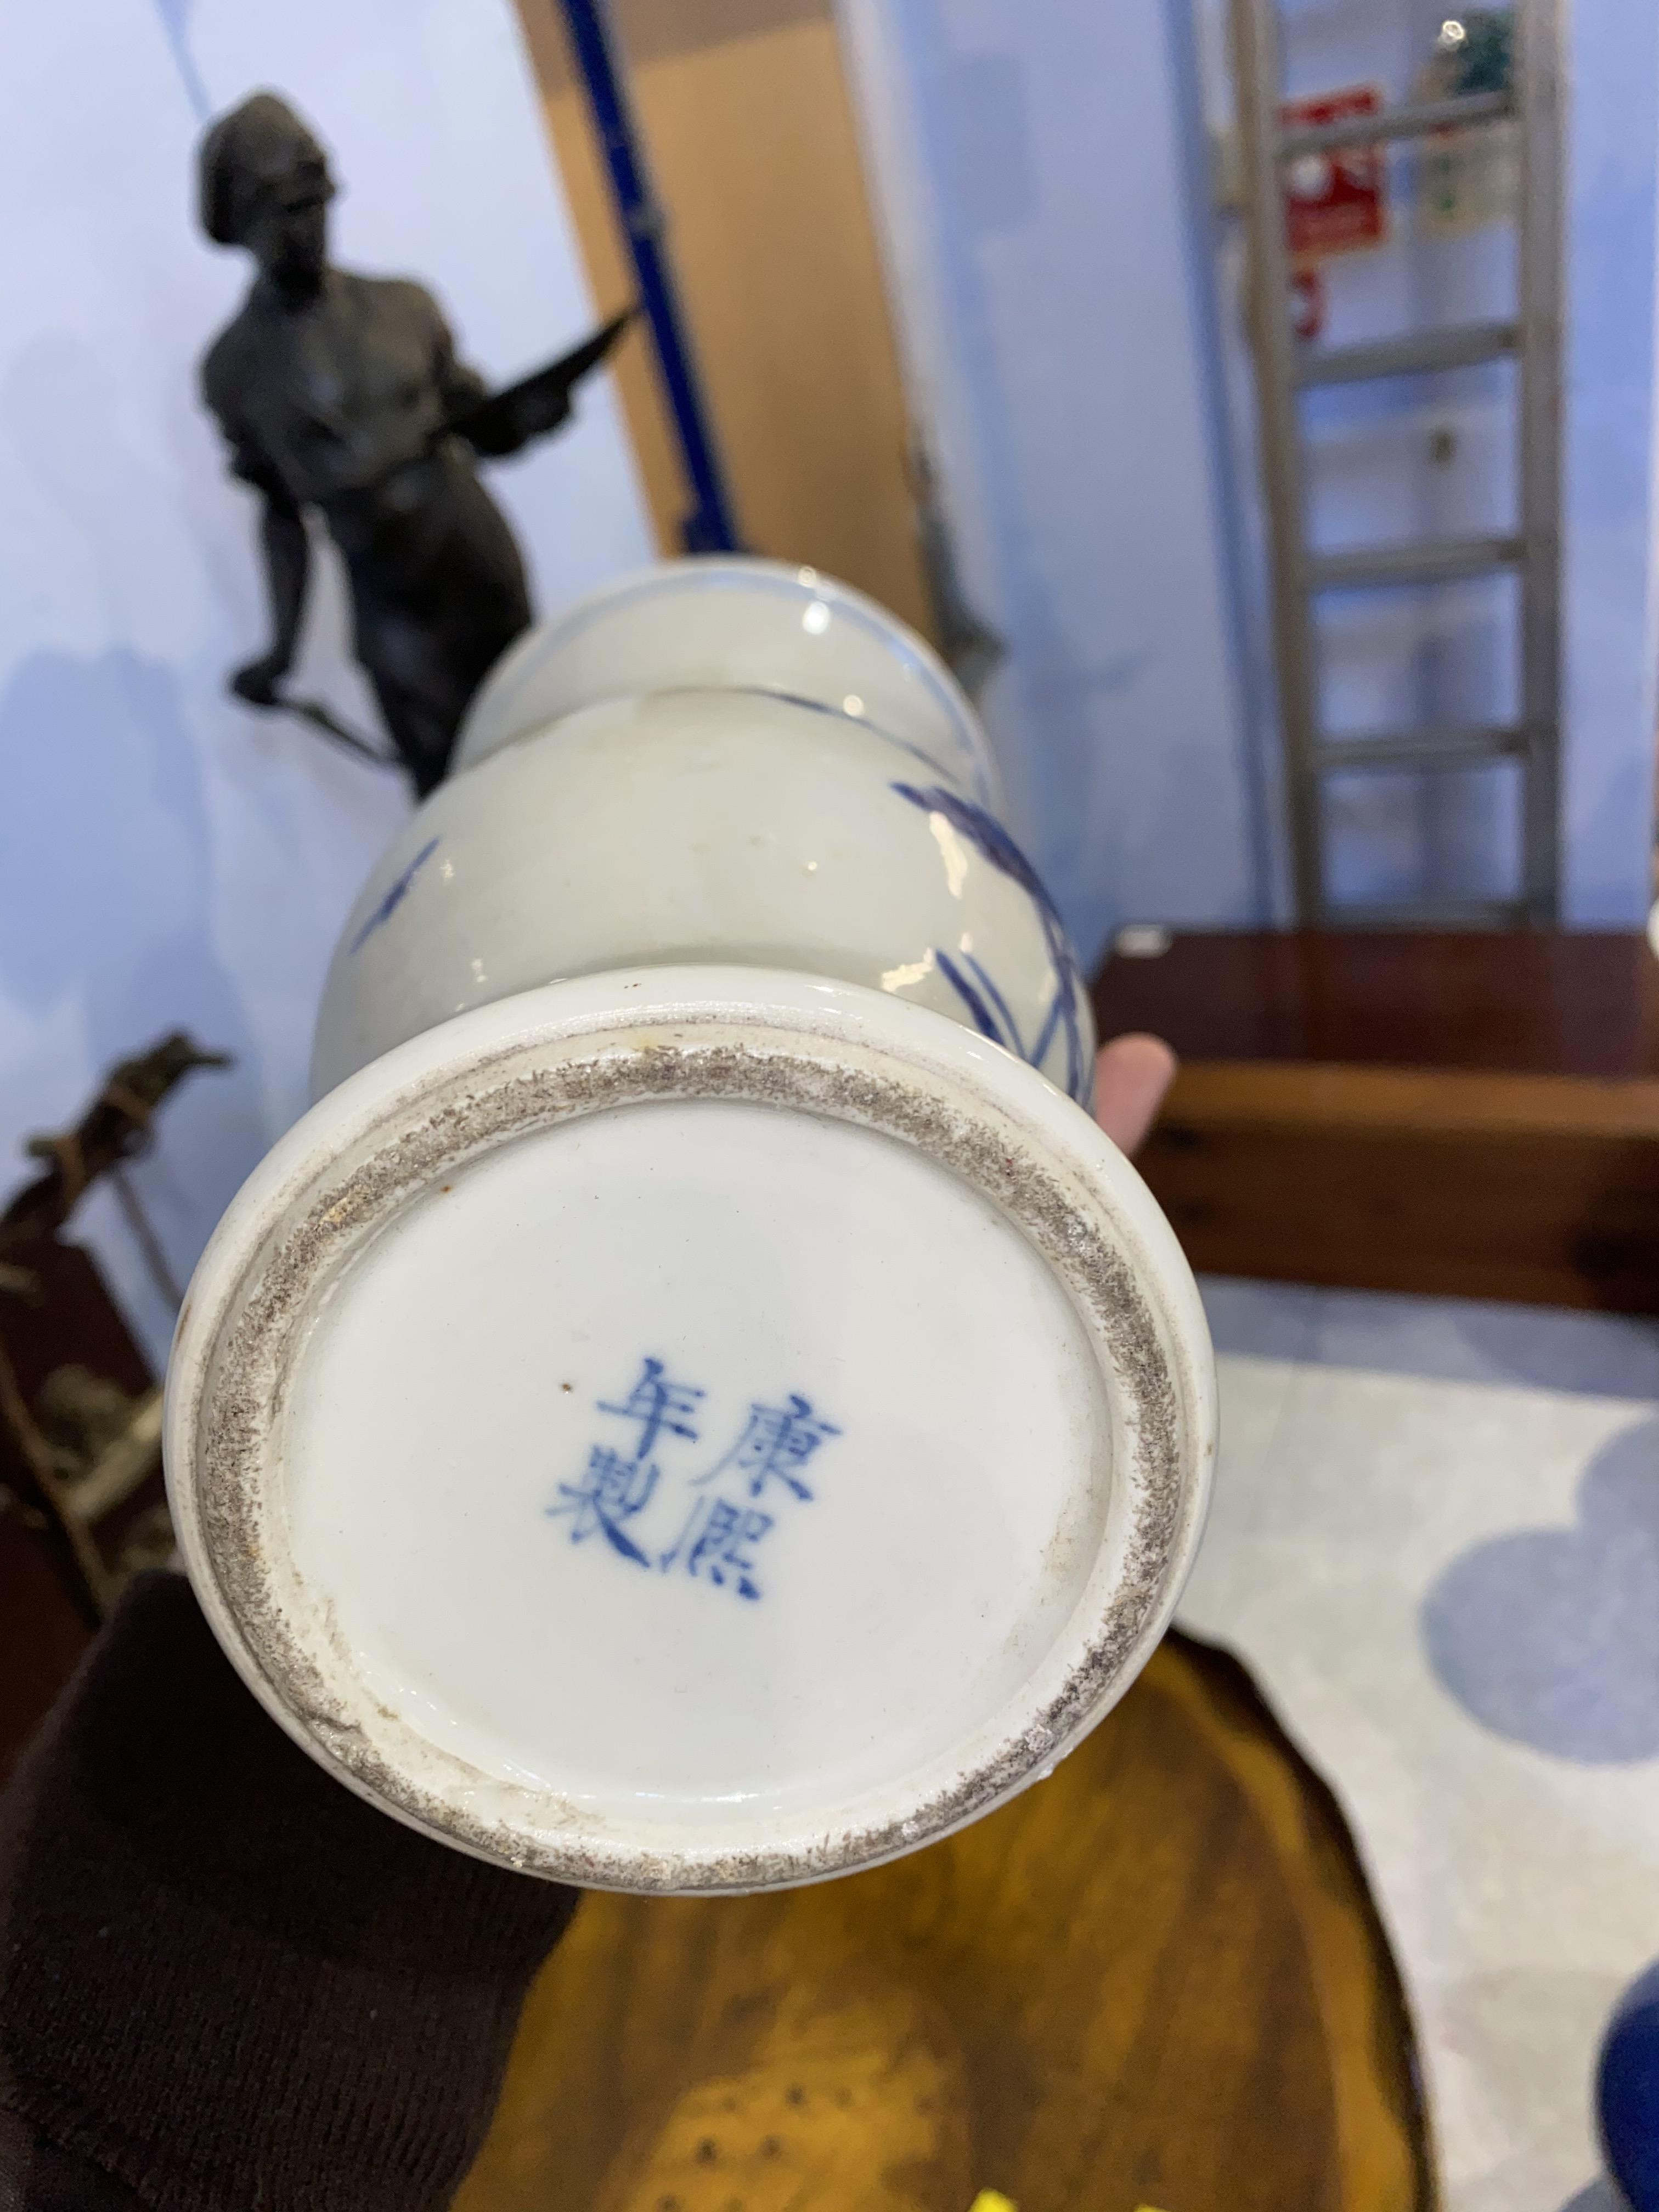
{"points": [[343, 392]]}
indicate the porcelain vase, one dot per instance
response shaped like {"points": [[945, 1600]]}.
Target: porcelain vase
{"points": [[697, 1404]]}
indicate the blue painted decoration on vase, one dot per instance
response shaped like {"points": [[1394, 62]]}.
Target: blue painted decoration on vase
{"points": [[988, 1007], [393, 897]]}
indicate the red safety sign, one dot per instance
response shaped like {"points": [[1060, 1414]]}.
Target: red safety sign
{"points": [[1335, 203]]}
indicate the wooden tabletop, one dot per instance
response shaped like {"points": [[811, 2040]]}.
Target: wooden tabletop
{"points": [[1528, 1003], [1155, 1980], [1457, 1116]]}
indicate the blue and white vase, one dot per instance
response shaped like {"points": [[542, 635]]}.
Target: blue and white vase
{"points": [[697, 1404]]}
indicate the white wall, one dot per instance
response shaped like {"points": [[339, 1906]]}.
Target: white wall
{"points": [[1038, 173], [167, 857], [1611, 576]]}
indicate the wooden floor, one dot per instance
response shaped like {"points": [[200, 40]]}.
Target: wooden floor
{"points": [[1457, 1115], [1156, 1978]]}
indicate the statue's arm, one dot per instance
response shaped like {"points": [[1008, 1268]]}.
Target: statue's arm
{"points": [[287, 552], [460, 387], [283, 541], [511, 418]]}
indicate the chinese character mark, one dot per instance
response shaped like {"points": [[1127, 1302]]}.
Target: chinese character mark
{"points": [[717, 1540], [658, 1406], [778, 1442], [613, 1491], [712, 1544]]}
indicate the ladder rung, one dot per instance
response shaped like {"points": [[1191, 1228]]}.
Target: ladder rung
{"points": [[1458, 347], [1439, 562], [1433, 913], [1389, 123], [1430, 747]]}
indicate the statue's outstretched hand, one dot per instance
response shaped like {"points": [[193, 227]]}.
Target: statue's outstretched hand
{"points": [[538, 412], [507, 423], [260, 682]]}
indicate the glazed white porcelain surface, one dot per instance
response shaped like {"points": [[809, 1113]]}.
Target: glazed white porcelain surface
{"points": [[691, 1428], [727, 624], [710, 826]]}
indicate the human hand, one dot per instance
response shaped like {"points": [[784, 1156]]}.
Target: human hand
{"points": [[259, 683], [1131, 1078]]}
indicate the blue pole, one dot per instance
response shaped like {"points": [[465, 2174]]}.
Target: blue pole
{"points": [[709, 527]]}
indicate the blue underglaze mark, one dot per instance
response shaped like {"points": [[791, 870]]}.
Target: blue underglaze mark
{"points": [[656, 1405], [394, 897], [774, 1446], [713, 1545], [611, 1491], [986, 1004], [719, 1530]]}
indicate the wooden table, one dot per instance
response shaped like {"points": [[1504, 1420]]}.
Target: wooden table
{"points": [[1459, 1115], [1157, 1978]]}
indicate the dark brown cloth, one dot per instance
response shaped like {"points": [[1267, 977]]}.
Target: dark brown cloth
{"points": [[225, 1982]]}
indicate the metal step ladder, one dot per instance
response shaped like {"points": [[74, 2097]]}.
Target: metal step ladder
{"points": [[1286, 368]]}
